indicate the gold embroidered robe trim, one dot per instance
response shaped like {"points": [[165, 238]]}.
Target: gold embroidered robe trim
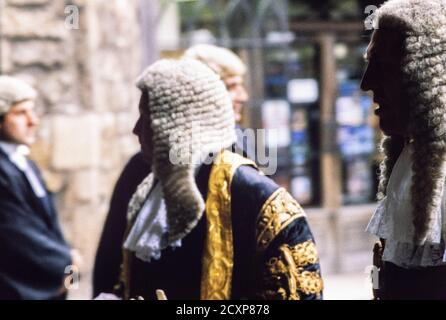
{"points": [[304, 253], [276, 214], [218, 256], [285, 275]]}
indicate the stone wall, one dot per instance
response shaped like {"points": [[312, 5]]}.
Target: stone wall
{"points": [[85, 79]]}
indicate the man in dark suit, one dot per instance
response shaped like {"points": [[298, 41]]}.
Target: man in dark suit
{"points": [[33, 253]]}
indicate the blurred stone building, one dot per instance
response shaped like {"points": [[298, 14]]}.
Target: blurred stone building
{"points": [[83, 57]]}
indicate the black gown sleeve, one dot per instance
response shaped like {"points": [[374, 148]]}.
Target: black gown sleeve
{"points": [[274, 250], [109, 253]]}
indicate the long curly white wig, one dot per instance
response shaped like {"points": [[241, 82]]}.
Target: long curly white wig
{"points": [[422, 24], [191, 116]]}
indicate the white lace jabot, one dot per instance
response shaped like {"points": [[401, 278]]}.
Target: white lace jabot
{"points": [[392, 221], [149, 234]]}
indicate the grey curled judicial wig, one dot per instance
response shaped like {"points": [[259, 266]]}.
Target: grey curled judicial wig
{"points": [[422, 24], [13, 90], [191, 116], [223, 61]]}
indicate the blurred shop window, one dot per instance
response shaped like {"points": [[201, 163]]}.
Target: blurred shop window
{"points": [[198, 21], [291, 98], [302, 10], [344, 10], [324, 10], [355, 134]]}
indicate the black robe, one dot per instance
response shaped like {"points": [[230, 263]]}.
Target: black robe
{"points": [[109, 253], [33, 252], [178, 271]]}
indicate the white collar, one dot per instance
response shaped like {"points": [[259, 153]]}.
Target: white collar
{"points": [[392, 218], [150, 232], [16, 153], [11, 148]]}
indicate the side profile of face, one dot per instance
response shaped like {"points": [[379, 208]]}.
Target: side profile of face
{"points": [[237, 93], [142, 128], [383, 77], [19, 124]]}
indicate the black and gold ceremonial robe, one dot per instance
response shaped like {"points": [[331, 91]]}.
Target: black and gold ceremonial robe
{"points": [[253, 242]]}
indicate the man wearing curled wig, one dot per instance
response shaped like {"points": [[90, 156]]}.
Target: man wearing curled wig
{"points": [[206, 224], [231, 70], [406, 73]]}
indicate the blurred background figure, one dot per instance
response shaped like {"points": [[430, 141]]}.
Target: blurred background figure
{"points": [[232, 71], [33, 252], [229, 67]]}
